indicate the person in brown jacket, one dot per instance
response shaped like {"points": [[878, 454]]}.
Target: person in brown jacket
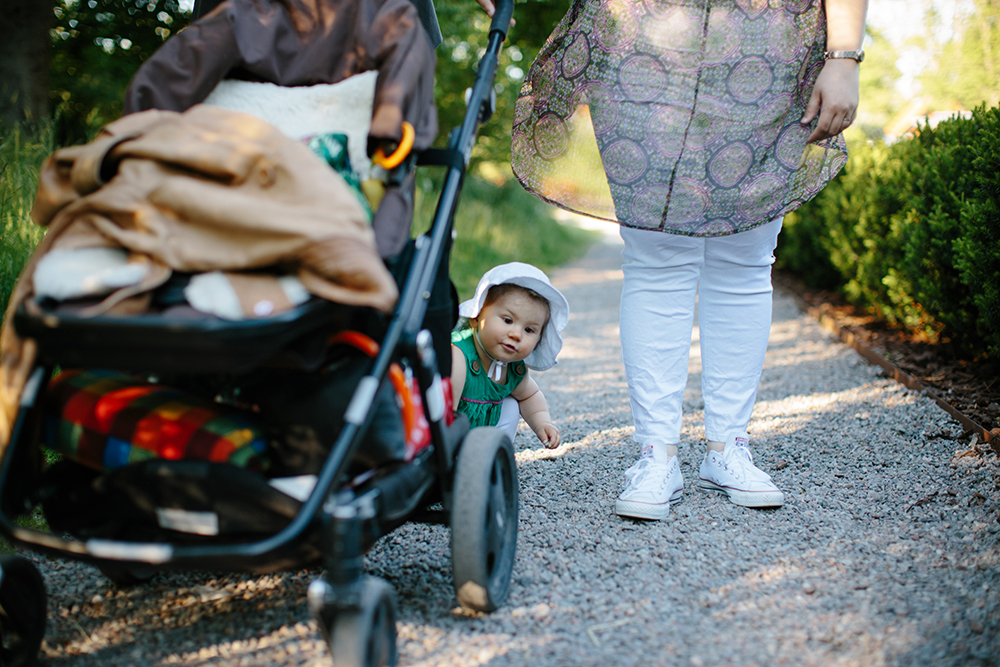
{"points": [[304, 43]]}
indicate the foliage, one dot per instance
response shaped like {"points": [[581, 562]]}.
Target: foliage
{"points": [[22, 150], [910, 231], [966, 68], [99, 44], [465, 28], [977, 254], [496, 224], [97, 47], [879, 99]]}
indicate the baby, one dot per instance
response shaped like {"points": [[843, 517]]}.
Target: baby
{"points": [[514, 323]]}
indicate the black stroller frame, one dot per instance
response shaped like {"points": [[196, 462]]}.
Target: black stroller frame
{"points": [[355, 612]]}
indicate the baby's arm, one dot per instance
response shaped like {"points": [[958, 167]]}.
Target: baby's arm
{"points": [[535, 411]]}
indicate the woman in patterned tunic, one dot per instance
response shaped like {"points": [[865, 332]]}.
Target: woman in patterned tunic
{"points": [[696, 125]]}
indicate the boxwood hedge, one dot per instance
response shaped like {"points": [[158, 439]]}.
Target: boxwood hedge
{"points": [[911, 233]]}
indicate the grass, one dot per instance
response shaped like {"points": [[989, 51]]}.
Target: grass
{"points": [[495, 224], [22, 150]]}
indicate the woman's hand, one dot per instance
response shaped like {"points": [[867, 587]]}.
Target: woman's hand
{"points": [[834, 97], [491, 9]]}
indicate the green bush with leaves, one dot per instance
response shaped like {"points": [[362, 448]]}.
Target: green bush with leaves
{"points": [[910, 232], [977, 253]]}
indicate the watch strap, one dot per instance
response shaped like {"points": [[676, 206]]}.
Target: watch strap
{"points": [[858, 55]]}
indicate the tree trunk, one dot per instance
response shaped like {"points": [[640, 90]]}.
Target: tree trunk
{"points": [[25, 52]]}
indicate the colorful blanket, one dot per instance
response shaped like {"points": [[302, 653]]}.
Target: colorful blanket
{"points": [[107, 420]]}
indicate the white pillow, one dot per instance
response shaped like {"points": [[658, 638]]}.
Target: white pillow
{"points": [[304, 111]]}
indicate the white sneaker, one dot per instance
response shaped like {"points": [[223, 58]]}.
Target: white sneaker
{"points": [[732, 472], [651, 487]]}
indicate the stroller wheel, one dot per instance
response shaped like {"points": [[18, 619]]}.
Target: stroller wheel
{"points": [[22, 611], [484, 519], [366, 636]]}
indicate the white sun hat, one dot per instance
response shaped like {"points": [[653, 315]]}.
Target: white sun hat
{"points": [[525, 275]]}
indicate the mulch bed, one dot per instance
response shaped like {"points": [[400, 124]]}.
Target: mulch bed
{"points": [[970, 386]]}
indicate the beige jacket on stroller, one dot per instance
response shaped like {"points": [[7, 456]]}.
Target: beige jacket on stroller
{"points": [[205, 190]]}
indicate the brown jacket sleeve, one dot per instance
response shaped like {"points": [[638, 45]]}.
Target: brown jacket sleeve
{"points": [[187, 67], [405, 87], [300, 43]]}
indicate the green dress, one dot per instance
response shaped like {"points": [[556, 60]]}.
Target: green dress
{"points": [[481, 397]]}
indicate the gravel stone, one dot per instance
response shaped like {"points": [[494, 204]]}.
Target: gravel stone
{"points": [[886, 551]]}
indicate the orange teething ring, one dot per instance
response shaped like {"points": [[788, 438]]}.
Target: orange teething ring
{"points": [[397, 157]]}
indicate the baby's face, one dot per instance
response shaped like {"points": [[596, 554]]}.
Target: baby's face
{"points": [[510, 327]]}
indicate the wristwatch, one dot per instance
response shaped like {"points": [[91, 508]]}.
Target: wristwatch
{"points": [[858, 55]]}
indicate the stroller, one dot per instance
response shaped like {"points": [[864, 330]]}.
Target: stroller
{"points": [[377, 376]]}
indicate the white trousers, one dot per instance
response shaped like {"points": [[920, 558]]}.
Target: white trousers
{"points": [[663, 273], [510, 416]]}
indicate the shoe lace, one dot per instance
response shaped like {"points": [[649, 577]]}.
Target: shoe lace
{"points": [[643, 468], [739, 461]]}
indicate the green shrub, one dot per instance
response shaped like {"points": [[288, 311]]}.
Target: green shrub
{"points": [[909, 232], [804, 252], [939, 184], [977, 253]]}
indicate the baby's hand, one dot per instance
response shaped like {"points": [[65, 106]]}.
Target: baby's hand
{"points": [[549, 435]]}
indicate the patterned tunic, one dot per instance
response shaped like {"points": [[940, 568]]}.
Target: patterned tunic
{"points": [[481, 397], [676, 115]]}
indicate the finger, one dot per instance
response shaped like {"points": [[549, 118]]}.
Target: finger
{"points": [[845, 122], [812, 108], [830, 124], [819, 134], [821, 131]]}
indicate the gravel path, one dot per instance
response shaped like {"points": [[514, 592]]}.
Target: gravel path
{"points": [[885, 553]]}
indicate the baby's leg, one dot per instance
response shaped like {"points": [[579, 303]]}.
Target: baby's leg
{"points": [[510, 415]]}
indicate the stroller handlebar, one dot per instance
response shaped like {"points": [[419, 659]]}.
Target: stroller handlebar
{"points": [[504, 11]]}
